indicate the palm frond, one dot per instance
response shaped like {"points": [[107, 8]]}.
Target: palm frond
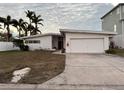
{"points": [[41, 24], [21, 20], [40, 20], [25, 22], [8, 18], [2, 20], [38, 16], [14, 21], [38, 30], [14, 25]]}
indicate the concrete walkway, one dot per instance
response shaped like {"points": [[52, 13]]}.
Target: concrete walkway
{"points": [[84, 71]]}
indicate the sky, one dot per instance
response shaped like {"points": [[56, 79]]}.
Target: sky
{"points": [[84, 16]]}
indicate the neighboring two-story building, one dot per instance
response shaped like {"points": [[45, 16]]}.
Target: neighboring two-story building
{"points": [[114, 21]]}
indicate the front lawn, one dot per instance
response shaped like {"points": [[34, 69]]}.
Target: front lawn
{"points": [[44, 65]]}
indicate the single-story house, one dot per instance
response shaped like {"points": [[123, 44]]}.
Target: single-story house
{"points": [[48, 41], [84, 41], [72, 41]]}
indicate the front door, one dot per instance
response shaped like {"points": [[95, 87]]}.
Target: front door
{"points": [[60, 42]]}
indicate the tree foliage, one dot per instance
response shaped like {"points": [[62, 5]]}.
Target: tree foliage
{"points": [[22, 26]]}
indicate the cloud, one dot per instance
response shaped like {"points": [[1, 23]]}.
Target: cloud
{"points": [[60, 15]]}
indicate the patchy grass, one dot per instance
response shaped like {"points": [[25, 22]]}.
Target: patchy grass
{"points": [[44, 65], [119, 52]]}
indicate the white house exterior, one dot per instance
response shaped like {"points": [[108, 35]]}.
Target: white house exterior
{"points": [[7, 46], [48, 41], [82, 41], [73, 41]]}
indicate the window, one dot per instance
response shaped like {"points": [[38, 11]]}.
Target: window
{"points": [[118, 10], [115, 28], [36, 41], [32, 41]]}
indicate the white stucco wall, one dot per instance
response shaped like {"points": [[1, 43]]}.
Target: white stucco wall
{"points": [[6, 46], [81, 35], [106, 42], [45, 43]]}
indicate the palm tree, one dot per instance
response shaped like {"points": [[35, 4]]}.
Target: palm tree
{"points": [[36, 20], [20, 25], [30, 28], [7, 21], [29, 14], [34, 30], [7, 25], [2, 20], [25, 28]]}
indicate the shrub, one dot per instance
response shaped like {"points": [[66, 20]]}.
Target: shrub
{"points": [[111, 51], [112, 45], [63, 50], [19, 43], [24, 47]]}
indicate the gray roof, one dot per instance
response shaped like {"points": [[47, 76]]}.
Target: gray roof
{"points": [[41, 35], [87, 31], [112, 10]]}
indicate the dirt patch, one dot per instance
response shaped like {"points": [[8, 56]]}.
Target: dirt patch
{"points": [[44, 65]]}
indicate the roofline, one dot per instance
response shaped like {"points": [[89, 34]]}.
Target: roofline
{"points": [[77, 30], [112, 10], [41, 35], [87, 32]]}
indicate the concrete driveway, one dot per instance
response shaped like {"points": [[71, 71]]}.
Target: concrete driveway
{"points": [[89, 71]]}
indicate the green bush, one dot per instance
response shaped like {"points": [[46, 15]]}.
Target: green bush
{"points": [[111, 51], [63, 50], [24, 47], [19, 43]]}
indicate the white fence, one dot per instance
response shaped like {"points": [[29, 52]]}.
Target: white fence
{"points": [[6, 46]]}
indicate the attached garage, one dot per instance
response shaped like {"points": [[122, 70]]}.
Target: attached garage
{"points": [[80, 41], [87, 45]]}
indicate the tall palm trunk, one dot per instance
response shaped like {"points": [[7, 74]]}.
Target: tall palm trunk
{"points": [[36, 28], [30, 25], [8, 33], [26, 32], [19, 33]]}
